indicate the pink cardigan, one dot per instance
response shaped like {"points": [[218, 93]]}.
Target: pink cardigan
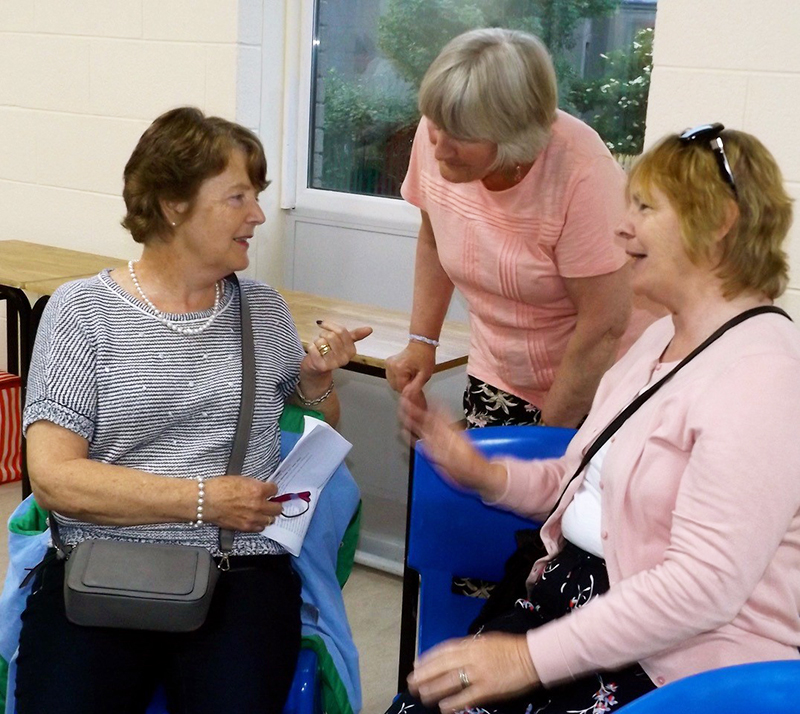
{"points": [[700, 512]]}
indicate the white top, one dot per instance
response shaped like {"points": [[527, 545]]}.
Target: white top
{"points": [[581, 522]]}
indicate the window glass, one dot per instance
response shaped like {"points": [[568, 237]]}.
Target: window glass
{"points": [[370, 56]]}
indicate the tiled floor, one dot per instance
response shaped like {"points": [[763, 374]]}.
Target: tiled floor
{"points": [[372, 599]]}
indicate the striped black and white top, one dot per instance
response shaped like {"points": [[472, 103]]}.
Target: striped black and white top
{"points": [[149, 398]]}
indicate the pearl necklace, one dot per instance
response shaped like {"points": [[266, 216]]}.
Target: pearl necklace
{"points": [[164, 320]]}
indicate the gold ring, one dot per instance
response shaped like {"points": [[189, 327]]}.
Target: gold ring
{"points": [[324, 348], [463, 678]]}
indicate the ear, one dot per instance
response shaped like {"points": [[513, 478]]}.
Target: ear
{"points": [[729, 221], [174, 211]]}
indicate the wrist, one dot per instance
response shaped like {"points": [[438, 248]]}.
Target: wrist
{"points": [[310, 394], [496, 481], [421, 338]]}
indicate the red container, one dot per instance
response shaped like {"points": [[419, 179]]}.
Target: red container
{"points": [[10, 428]]}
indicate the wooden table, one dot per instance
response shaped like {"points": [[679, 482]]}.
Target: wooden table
{"points": [[30, 266], [389, 336], [23, 263]]}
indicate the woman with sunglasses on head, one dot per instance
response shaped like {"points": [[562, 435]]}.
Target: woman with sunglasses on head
{"points": [[675, 549], [132, 408], [519, 202]]}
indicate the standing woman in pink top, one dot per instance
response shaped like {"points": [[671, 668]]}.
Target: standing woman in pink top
{"points": [[519, 202], [675, 547]]}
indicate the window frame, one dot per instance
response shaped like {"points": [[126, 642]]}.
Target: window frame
{"points": [[388, 214]]}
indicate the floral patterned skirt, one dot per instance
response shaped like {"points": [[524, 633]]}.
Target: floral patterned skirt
{"points": [[569, 581], [487, 405]]}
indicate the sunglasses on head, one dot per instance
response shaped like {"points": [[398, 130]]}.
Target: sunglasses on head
{"points": [[710, 133]]}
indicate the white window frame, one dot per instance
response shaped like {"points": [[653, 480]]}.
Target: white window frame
{"points": [[388, 214]]}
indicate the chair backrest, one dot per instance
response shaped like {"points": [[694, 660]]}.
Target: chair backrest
{"points": [[452, 533], [769, 687]]}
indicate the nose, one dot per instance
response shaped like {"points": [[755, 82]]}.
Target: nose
{"points": [[625, 229], [443, 145], [256, 216]]}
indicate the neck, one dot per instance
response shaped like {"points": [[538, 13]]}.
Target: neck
{"points": [[173, 284], [697, 320], [504, 179]]}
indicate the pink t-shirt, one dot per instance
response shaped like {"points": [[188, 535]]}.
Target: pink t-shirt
{"points": [[508, 251]]}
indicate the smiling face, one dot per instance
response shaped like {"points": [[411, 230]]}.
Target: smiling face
{"points": [[216, 230], [661, 267], [461, 160]]}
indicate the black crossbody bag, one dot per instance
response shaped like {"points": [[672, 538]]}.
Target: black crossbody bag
{"points": [[530, 548], [149, 586]]}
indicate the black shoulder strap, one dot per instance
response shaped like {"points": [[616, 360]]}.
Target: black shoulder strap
{"points": [[623, 416], [245, 422]]}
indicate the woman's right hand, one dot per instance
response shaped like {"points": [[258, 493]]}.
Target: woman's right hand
{"points": [[411, 368], [239, 503], [448, 448]]}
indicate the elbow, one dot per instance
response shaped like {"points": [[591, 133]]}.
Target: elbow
{"points": [[42, 493]]}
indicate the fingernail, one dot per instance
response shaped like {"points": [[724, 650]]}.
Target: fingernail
{"points": [[319, 322]]}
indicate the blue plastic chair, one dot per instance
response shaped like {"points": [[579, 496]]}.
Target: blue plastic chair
{"points": [[768, 687], [452, 533], [303, 696]]}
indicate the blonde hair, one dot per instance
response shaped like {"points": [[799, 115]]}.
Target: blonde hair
{"points": [[493, 85], [752, 256]]}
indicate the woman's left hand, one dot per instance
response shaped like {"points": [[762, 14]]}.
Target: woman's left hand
{"points": [[334, 348], [459, 674]]}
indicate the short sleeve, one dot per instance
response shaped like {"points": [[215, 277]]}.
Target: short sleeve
{"points": [[62, 382], [294, 352], [278, 347], [588, 245], [411, 189]]}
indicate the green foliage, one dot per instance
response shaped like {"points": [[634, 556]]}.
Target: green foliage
{"points": [[358, 119], [363, 126], [616, 104]]}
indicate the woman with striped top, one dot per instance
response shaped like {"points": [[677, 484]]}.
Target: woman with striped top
{"points": [[133, 396]]}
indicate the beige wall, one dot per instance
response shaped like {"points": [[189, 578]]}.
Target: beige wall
{"points": [[79, 82], [738, 62]]}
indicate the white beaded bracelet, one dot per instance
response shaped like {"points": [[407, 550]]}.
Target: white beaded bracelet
{"points": [[313, 402], [201, 495], [423, 339]]}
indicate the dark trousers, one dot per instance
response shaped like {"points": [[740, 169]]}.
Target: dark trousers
{"points": [[241, 661], [570, 581]]}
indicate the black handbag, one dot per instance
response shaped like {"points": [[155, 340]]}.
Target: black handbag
{"points": [[150, 586], [512, 587]]}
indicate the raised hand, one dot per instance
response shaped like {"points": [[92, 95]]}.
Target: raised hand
{"points": [[334, 348], [446, 446]]}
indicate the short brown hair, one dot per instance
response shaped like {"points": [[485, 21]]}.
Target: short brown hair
{"points": [[494, 85], [688, 174], [177, 152]]}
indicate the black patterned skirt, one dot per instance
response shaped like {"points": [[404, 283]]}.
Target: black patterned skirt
{"points": [[572, 579], [487, 405]]}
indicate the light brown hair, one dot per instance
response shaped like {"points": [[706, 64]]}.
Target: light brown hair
{"points": [[178, 151]]}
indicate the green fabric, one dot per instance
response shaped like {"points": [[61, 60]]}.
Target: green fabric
{"points": [[3, 683], [32, 522], [347, 548], [333, 695], [292, 418]]}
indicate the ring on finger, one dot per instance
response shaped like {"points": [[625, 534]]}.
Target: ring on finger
{"points": [[324, 348], [463, 678]]}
